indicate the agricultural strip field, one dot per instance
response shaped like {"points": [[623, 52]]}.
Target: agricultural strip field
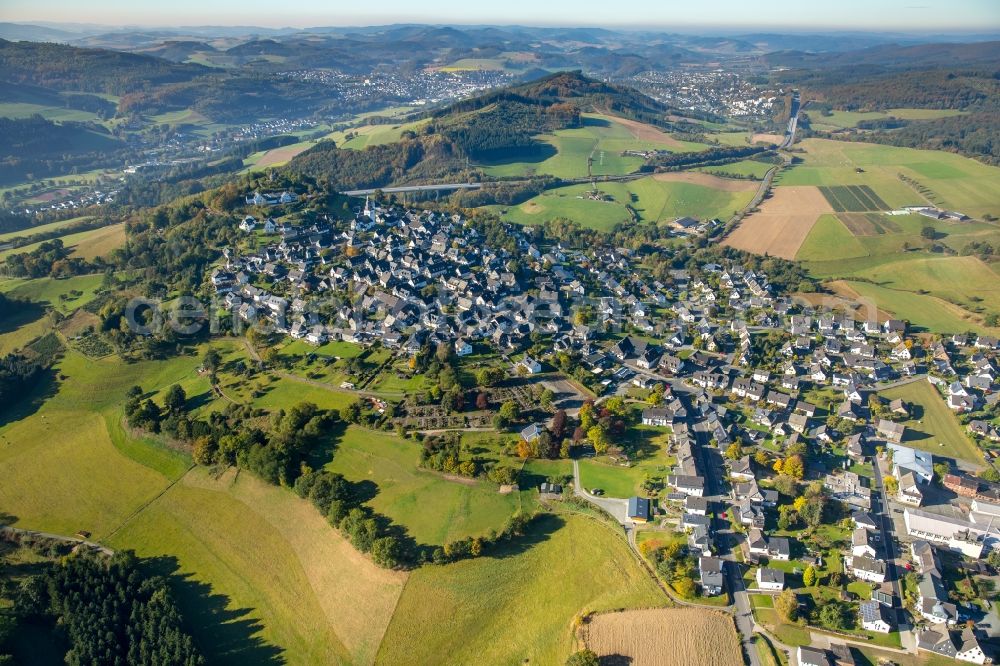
{"points": [[852, 198], [869, 224], [783, 222], [948, 180], [932, 426], [665, 637], [492, 607]]}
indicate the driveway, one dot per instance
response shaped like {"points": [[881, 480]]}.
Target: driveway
{"points": [[616, 507]]}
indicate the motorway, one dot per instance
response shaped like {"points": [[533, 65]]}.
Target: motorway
{"points": [[793, 121]]}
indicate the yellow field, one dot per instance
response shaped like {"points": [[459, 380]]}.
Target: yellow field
{"points": [[665, 637]]}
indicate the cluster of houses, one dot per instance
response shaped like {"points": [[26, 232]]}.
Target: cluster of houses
{"points": [[407, 278]]}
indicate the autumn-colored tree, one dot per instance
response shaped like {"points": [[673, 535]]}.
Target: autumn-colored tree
{"points": [[760, 458], [734, 451], [799, 503], [203, 450], [793, 467], [778, 465], [684, 586], [482, 402], [598, 437], [809, 576], [524, 449], [787, 605]]}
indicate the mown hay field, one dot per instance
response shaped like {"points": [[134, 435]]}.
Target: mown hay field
{"points": [[783, 222], [665, 637]]}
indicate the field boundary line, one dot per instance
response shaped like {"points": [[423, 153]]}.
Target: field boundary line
{"points": [[145, 505]]}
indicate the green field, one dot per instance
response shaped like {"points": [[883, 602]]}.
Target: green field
{"points": [[845, 119], [830, 240], [43, 228], [87, 244], [742, 168], [922, 311], [432, 509], [886, 257], [646, 447], [518, 606], [54, 113], [601, 137], [934, 427], [957, 183], [373, 135], [654, 200], [57, 292], [278, 578]]}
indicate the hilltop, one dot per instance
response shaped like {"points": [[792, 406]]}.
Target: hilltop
{"points": [[501, 124]]}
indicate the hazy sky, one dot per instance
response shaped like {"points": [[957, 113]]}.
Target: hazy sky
{"points": [[877, 15]]}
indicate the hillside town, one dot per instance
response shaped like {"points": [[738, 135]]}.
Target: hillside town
{"points": [[792, 468]]}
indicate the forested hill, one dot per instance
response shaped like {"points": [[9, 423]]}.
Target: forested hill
{"points": [[62, 67], [888, 77], [499, 124], [962, 77]]}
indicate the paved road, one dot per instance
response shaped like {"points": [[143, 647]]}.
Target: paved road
{"points": [[743, 615], [881, 511]]}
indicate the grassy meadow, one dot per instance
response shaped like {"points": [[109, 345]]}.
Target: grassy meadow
{"points": [[85, 244], [932, 426], [847, 119], [602, 137], [517, 606], [433, 509], [654, 200]]}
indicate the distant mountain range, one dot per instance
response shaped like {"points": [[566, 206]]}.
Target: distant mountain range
{"points": [[612, 52]]}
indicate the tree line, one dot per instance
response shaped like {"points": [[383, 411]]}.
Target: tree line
{"points": [[104, 610]]}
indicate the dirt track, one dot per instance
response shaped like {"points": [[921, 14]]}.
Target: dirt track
{"points": [[782, 223]]}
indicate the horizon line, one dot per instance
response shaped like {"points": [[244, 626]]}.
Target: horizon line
{"points": [[991, 31]]}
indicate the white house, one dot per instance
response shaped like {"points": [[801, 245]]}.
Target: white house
{"points": [[770, 579], [866, 568], [462, 347], [874, 618], [530, 365]]}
